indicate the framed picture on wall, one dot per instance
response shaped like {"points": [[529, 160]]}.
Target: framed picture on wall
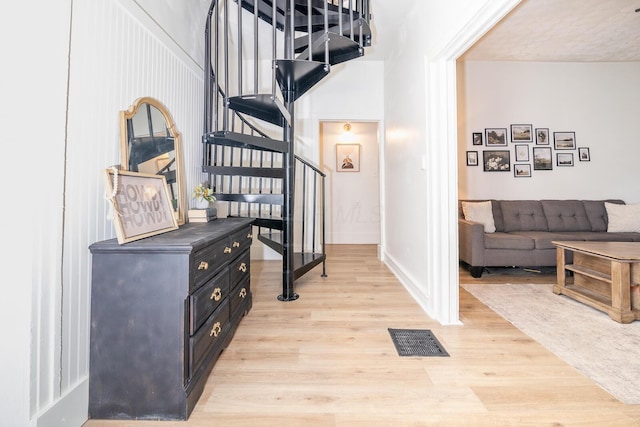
{"points": [[522, 170], [472, 158], [495, 137], [522, 153], [542, 136], [542, 159], [496, 160], [477, 138], [521, 133], [583, 154], [348, 157], [564, 159], [564, 140]]}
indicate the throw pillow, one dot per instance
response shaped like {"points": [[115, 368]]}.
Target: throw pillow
{"points": [[623, 218], [480, 212]]}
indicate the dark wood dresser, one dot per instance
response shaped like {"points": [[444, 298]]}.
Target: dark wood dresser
{"points": [[162, 310]]}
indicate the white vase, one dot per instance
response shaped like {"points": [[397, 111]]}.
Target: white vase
{"points": [[202, 204]]}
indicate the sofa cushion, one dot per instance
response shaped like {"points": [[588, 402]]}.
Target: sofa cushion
{"points": [[622, 218], [480, 212], [523, 215], [500, 240], [543, 239], [597, 213], [565, 215]]}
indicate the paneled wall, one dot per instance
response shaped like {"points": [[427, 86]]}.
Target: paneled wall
{"points": [[117, 53]]}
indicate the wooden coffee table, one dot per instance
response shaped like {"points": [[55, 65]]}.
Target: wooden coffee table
{"points": [[603, 276]]}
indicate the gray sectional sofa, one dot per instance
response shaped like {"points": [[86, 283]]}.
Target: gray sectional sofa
{"points": [[524, 230]]}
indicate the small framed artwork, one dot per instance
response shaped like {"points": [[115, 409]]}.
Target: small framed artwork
{"points": [[522, 170], [348, 157], [477, 138], [495, 137], [542, 136], [542, 159], [522, 153], [583, 154], [496, 160], [564, 159], [472, 158], [564, 140], [521, 133], [141, 204]]}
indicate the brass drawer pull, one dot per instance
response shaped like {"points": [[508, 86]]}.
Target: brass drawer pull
{"points": [[227, 250], [249, 236], [204, 265], [243, 267], [216, 294], [215, 331], [243, 293], [236, 244]]}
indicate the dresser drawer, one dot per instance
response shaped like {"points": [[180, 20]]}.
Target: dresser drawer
{"points": [[241, 240], [240, 268], [206, 299], [239, 295], [208, 261], [210, 334]]}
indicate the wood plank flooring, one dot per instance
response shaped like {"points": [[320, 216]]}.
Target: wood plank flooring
{"points": [[327, 360]]}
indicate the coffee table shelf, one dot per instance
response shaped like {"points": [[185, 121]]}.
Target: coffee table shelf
{"points": [[603, 274], [594, 274]]}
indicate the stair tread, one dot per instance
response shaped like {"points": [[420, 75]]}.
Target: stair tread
{"points": [[248, 171], [298, 76], [242, 140], [261, 106], [341, 49]]}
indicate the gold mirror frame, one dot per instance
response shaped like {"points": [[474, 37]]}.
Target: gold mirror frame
{"points": [[154, 141]]}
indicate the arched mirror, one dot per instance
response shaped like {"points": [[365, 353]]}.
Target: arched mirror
{"points": [[150, 143]]}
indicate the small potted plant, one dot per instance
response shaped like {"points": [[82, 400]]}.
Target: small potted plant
{"points": [[203, 195]]}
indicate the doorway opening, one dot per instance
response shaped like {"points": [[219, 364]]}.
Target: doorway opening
{"points": [[349, 155]]}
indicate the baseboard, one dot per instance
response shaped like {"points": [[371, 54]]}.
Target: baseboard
{"points": [[409, 283], [71, 410]]}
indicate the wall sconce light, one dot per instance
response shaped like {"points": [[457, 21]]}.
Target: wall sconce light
{"points": [[347, 135]]}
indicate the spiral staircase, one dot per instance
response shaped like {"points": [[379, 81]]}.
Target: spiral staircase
{"points": [[261, 56]]}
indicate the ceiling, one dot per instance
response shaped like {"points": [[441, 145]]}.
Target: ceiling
{"points": [[564, 30]]}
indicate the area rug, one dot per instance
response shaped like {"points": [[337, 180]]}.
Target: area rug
{"points": [[605, 351]]}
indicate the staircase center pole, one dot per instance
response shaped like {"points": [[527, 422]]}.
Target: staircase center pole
{"points": [[288, 293]]}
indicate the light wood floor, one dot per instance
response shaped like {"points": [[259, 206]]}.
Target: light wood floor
{"points": [[327, 360]]}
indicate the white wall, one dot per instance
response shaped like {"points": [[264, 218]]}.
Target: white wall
{"points": [[420, 155], [68, 80], [353, 198], [599, 101]]}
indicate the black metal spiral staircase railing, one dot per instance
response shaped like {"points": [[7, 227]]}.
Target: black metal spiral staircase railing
{"points": [[260, 57]]}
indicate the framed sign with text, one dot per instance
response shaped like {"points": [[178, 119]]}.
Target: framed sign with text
{"points": [[140, 204]]}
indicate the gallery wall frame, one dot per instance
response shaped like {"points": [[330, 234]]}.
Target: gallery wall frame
{"points": [[496, 160], [476, 138], [495, 137], [564, 159], [564, 140], [522, 170], [348, 157], [521, 133], [583, 154], [140, 204], [542, 159], [542, 136], [522, 152], [472, 158]]}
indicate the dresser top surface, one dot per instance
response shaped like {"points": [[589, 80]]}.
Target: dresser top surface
{"points": [[188, 237]]}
